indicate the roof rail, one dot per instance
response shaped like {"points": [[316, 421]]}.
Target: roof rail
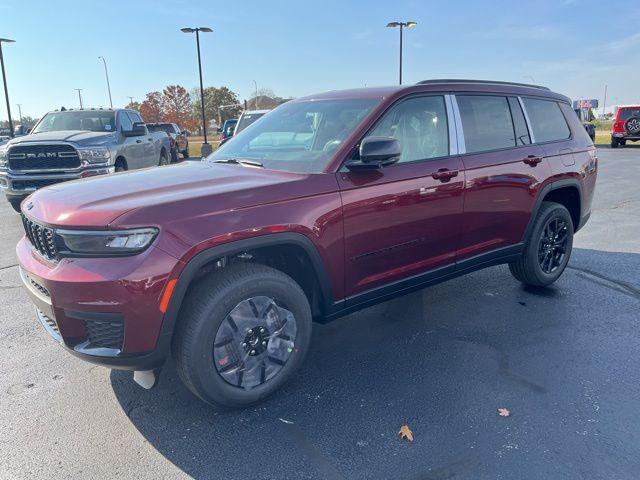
{"points": [[492, 82]]}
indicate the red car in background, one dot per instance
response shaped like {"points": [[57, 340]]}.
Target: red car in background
{"points": [[179, 140], [626, 126]]}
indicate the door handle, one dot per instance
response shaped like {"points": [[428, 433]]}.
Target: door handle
{"points": [[532, 160], [150, 139], [444, 174], [138, 141]]}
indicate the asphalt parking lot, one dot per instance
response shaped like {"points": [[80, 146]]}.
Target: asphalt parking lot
{"points": [[564, 360]]}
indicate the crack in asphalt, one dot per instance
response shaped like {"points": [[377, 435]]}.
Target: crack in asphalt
{"points": [[8, 266], [608, 282]]}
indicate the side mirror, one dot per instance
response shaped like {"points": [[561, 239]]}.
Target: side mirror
{"points": [[138, 130], [376, 152]]}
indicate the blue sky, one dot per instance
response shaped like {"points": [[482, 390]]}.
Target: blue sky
{"points": [[296, 48]]}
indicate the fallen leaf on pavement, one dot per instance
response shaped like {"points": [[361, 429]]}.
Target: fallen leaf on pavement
{"points": [[405, 433], [503, 412]]}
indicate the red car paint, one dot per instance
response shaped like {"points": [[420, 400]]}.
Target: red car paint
{"points": [[374, 232]]}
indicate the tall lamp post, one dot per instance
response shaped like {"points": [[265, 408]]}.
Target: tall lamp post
{"points": [[79, 90], [206, 148], [401, 25], [4, 80], [106, 74]]}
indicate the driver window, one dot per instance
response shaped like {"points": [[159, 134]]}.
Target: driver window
{"points": [[420, 125], [125, 122]]}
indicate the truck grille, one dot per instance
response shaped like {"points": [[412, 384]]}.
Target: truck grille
{"points": [[43, 157], [42, 238]]}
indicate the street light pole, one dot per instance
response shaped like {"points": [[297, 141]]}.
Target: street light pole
{"points": [[401, 25], [206, 148], [130, 100], [4, 80], [604, 102], [106, 74], [19, 112], [256, 96], [79, 96]]}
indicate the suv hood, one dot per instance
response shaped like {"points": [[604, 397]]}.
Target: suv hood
{"points": [[80, 137], [97, 202]]}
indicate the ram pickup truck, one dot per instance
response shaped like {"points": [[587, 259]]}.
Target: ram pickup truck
{"points": [[327, 205], [72, 144]]}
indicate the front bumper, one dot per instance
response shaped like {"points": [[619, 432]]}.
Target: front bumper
{"points": [[20, 185], [103, 310]]}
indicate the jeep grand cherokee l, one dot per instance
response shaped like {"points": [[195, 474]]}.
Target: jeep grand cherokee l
{"points": [[328, 204]]}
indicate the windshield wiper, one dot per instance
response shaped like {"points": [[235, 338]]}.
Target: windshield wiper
{"points": [[243, 162]]}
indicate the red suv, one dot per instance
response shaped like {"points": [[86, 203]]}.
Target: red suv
{"points": [[626, 126], [329, 204]]}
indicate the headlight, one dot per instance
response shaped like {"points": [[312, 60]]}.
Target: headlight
{"points": [[94, 155], [104, 243], [3, 157]]}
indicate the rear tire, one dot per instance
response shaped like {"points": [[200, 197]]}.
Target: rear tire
{"points": [[614, 143], [185, 153], [164, 159], [205, 337], [548, 248]]}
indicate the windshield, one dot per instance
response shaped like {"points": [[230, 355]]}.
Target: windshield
{"points": [[93, 121], [297, 136]]}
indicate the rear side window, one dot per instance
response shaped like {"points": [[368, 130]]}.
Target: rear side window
{"points": [[486, 122], [519, 123], [547, 121]]}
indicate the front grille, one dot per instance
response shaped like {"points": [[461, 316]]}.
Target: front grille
{"points": [[104, 334], [41, 237], [32, 184], [43, 157]]}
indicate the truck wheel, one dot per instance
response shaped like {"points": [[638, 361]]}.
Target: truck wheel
{"points": [[164, 159], [121, 165], [548, 248], [185, 153], [614, 142], [623, 143], [15, 204], [243, 332], [174, 156]]}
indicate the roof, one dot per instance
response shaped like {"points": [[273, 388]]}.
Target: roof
{"points": [[440, 85], [255, 111]]}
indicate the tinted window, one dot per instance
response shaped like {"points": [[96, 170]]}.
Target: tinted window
{"points": [[519, 123], [247, 120], [486, 122], [547, 121], [625, 114], [420, 125], [125, 121]]}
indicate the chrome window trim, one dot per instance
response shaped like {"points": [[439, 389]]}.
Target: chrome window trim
{"points": [[462, 148], [451, 127], [527, 121]]}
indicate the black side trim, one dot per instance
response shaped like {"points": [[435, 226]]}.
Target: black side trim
{"points": [[568, 182], [418, 282]]}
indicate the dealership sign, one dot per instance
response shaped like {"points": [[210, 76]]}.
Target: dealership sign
{"points": [[586, 104]]}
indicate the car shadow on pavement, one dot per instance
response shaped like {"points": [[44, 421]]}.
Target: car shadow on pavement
{"points": [[440, 360]]}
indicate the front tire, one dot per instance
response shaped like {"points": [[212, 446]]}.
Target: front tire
{"points": [[164, 159], [243, 333], [548, 248]]}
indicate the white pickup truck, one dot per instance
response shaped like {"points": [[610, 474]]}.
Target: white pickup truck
{"points": [[72, 144]]}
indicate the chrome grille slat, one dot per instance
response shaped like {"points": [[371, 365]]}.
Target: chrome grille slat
{"points": [[42, 238]]}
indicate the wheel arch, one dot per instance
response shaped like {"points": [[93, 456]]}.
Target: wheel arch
{"points": [[567, 192], [203, 263]]}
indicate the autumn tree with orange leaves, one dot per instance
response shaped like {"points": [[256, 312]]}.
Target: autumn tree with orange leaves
{"points": [[177, 108], [151, 109]]}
